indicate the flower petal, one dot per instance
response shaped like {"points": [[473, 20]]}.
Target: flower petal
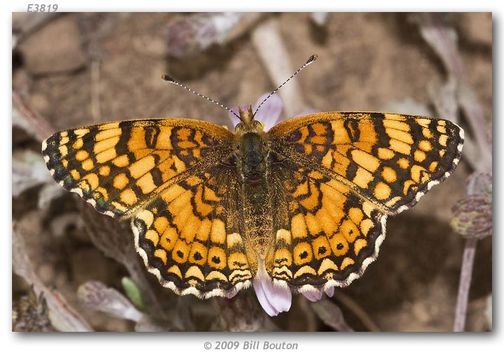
{"points": [[273, 297], [329, 291], [270, 111], [313, 294]]}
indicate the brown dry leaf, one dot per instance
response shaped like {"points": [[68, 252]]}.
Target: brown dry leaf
{"points": [[97, 296], [189, 35], [331, 315]]}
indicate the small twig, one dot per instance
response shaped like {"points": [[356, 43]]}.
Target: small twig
{"points": [[310, 316], [464, 285], [270, 46], [357, 310], [190, 35], [443, 40], [331, 315], [477, 186], [28, 119]]}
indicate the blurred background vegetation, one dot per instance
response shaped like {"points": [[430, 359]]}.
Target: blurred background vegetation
{"points": [[76, 270]]}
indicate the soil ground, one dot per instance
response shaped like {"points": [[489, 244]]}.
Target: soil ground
{"points": [[367, 61]]}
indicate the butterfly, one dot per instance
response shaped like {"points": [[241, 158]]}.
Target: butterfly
{"points": [[305, 203]]}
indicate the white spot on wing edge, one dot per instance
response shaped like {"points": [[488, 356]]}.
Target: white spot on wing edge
{"points": [[430, 185], [171, 285], [461, 133], [109, 213], [307, 288], [280, 283], [78, 191], [44, 145], [353, 276]]}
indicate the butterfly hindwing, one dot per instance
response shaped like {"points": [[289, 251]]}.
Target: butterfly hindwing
{"points": [[189, 237], [325, 234], [389, 159]]}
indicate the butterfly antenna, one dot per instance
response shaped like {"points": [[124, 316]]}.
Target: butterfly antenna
{"points": [[171, 80], [310, 60]]}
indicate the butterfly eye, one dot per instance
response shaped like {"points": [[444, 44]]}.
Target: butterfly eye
{"points": [[258, 125]]}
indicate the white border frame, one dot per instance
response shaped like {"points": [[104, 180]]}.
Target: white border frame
{"points": [[137, 346]]}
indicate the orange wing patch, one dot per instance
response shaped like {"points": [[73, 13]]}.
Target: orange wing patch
{"points": [[153, 172], [190, 241], [388, 159], [342, 174], [119, 166], [335, 177], [327, 236]]}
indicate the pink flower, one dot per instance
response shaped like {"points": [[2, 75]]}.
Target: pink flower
{"points": [[275, 296]]}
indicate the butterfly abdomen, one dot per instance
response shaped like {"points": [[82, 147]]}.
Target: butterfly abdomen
{"points": [[257, 207]]}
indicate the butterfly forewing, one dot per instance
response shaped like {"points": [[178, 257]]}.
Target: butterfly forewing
{"points": [[389, 159], [340, 175], [119, 166]]}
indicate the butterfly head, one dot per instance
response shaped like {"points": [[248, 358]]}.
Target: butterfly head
{"points": [[248, 123]]}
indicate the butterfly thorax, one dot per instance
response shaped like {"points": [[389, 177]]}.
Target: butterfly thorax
{"points": [[253, 169]]}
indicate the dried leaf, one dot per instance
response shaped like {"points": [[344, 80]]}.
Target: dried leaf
{"points": [[27, 119], [443, 40], [331, 315], [48, 193], [270, 46], [28, 170], [97, 296], [115, 240], [60, 224], [444, 98], [195, 33]]}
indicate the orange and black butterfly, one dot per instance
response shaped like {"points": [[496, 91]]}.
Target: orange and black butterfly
{"points": [[305, 202]]}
